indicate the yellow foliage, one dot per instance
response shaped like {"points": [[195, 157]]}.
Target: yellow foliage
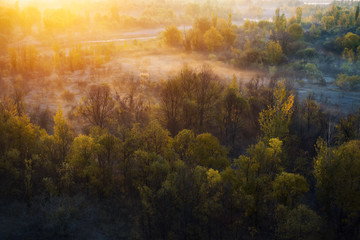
{"points": [[275, 120]]}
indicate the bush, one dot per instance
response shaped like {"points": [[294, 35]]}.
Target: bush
{"points": [[307, 53], [348, 83], [314, 74], [172, 36]]}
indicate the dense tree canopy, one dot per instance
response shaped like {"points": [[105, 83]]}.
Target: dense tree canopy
{"points": [[187, 152]]}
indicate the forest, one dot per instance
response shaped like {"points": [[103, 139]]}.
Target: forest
{"points": [[162, 119]]}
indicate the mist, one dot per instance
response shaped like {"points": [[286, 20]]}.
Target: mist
{"points": [[173, 119]]}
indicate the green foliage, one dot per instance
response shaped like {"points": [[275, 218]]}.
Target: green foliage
{"points": [[153, 138], [314, 31], [298, 15], [295, 31], [274, 53], [313, 73], [179, 167], [279, 20], [348, 83], [298, 223], [307, 53], [83, 156], [208, 152], [347, 128], [20, 147], [336, 172], [264, 160], [288, 187], [248, 58], [349, 41], [183, 143], [327, 22], [63, 135]]}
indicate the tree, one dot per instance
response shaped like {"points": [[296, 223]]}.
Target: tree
{"points": [[348, 54], [24, 59], [298, 15], [254, 175], [207, 152], [183, 143], [348, 128], [336, 171], [190, 98], [207, 92], [213, 39], [107, 152], [59, 59], [357, 12], [267, 156], [349, 41], [314, 31], [172, 98], [280, 21], [307, 53], [203, 24], [19, 151], [18, 94], [133, 107], [234, 106], [274, 53], [82, 163], [327, 22], [313, 73], [295, 31], [274, 121], [188, 81], [226, 29], [98, 106], [299, 223], [63, 135], [288, 187], [195, 39], [263, 160], [172, 36], [310, 114], [76, 59], [152, 138], [346, 82], [214, 20]]}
